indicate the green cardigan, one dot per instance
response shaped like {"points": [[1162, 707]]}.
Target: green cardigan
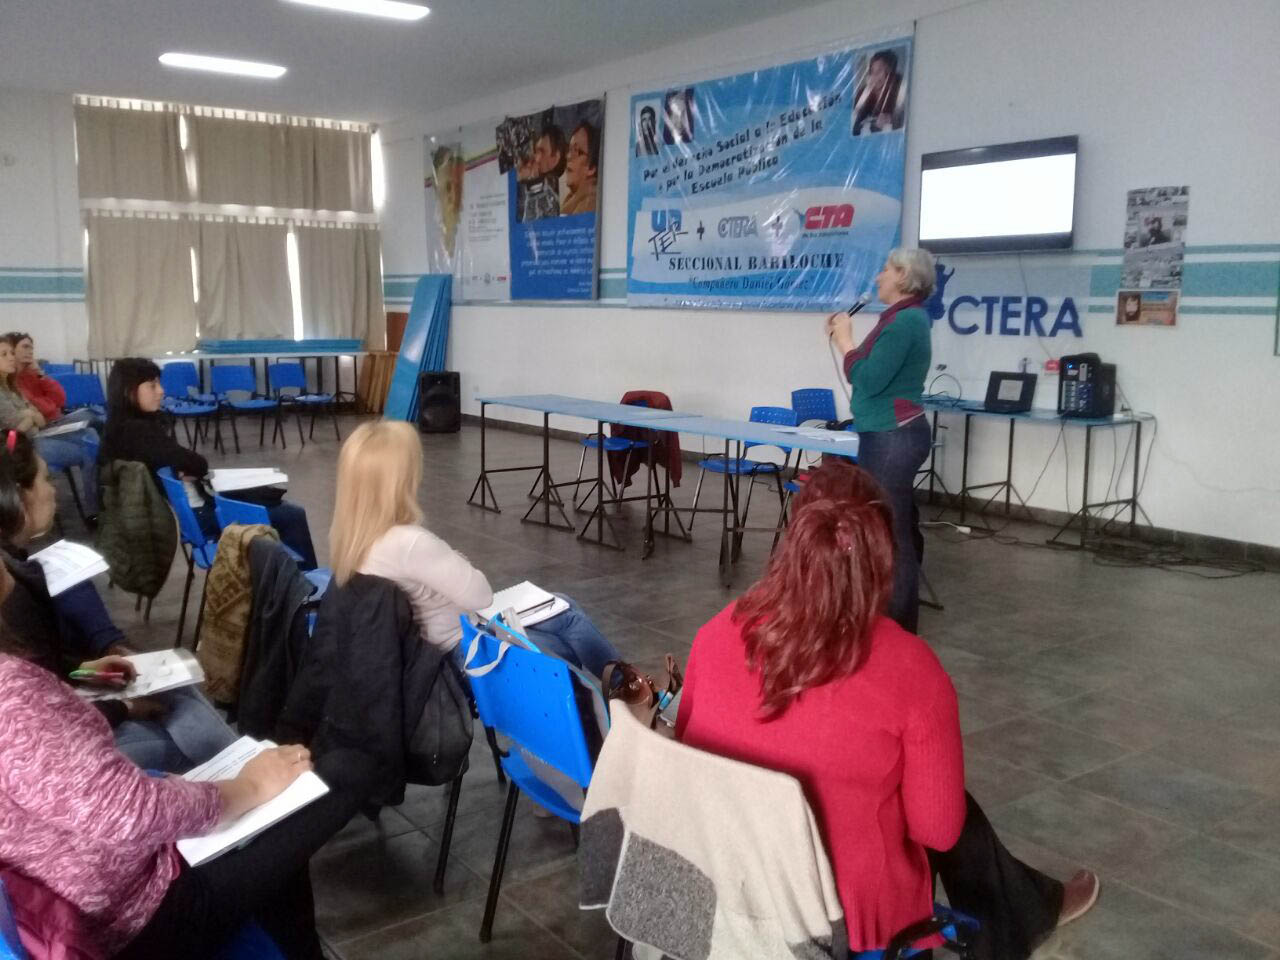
{"points": [[887, 370]]}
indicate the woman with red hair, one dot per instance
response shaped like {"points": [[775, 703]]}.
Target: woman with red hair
{"points": [[805, 674]]}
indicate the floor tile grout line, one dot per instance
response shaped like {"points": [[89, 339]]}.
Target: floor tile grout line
{"points": [[1191, 909]]}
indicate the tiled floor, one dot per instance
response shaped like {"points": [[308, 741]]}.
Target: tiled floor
{"points": [[1124, 719]]}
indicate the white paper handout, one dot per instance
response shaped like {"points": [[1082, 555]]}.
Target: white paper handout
{"points": [[229, 835], [531, 603], [156, 672], [65, 564], [245, 478]]}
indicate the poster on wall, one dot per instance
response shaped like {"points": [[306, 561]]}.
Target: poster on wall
{"points": [[779, 188], [512, 205], [1154, 246]]}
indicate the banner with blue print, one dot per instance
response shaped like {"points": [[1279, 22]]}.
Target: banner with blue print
{"points": [[779, 188]]}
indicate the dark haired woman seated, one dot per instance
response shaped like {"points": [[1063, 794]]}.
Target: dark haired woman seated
{"points": [[805, 674], [171, 731], [137, 429]]}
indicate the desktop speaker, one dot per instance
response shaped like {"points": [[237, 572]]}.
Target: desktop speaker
{"points": [[440, 402]]}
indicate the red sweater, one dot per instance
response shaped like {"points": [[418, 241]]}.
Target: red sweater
{"points": [[878, 752], [43, 393]]}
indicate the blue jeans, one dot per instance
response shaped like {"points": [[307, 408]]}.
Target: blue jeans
{"points": [[79, 449], [189, 733], [894, 457], [572, 636]]}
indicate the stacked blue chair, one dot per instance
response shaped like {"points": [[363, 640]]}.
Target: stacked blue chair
{"points": [[291, 376], [527, 697], [238, 511], [184, 401], [198, 549], [814, 404], [56, 370], [743, 467], [228, 379]]}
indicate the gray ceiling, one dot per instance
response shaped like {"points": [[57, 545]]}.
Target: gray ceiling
{"points": [[340, 66]]}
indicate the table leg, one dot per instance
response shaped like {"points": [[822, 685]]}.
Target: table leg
{"points": [[1084, 503], [933, 455], [482, 482], [1008, 469], [1137, 459], [964, 468], [724, 522], [600, 481]]}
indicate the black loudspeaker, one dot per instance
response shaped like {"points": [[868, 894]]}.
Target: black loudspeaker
{"points": [[440, 402]]}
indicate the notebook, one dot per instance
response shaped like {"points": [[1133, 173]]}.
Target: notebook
{"points": [[245, 478], [531, 603], [157, 672], [65, 564], [230, 835]]}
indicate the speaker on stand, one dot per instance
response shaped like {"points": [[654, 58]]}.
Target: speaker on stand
{"points": [[440, 402]]}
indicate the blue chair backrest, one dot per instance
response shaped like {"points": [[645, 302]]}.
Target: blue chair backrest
{"points": [[227, 377], [528, 697], [82, 389], [188, 525], [237, 511], [814, 403], [10, 943], [286, 376], [179, 379], [57, 369], [778, 416]]}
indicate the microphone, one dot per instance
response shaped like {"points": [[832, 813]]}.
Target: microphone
{"points": [[858, 304]]}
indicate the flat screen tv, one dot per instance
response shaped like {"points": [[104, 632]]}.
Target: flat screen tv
{"points": [[1001, 198]]}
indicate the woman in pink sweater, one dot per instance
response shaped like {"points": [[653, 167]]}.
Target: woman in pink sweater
{"points": [[805, 674], [81, 820]]}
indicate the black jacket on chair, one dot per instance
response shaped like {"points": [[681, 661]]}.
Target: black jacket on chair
{"points": [[369, 682], [277, 636]]}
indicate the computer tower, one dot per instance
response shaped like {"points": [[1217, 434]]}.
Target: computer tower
{"points": [[1086, 386], [440, 401]]}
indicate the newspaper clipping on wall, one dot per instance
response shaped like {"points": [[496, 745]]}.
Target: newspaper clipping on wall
{"points": [[1154, 244]]}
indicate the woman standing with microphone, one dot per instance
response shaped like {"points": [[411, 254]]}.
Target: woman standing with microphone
{"points": [[886, 373]]}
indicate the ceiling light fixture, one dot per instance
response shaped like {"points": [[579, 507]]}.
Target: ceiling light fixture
{"points": [[237, 68], [393, 9]]}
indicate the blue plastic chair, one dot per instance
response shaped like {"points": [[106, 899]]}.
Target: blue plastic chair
{"points": [[228, 379], [592, 441], [814, 403], [745, 467], [291, 376], [231, 511], [83, 390], [198, 549], [57, 369], [184, 402], [528, 697]]}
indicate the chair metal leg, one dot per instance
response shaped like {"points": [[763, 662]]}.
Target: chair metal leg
{"points": [[186, 594], [442, 860], [499, 863], [234, 432], [137, 602], [333, 415], [262, 430], [492, 738], [146, 614], [204, 595], [75, 493], [620, 951], [297, 421], [782, 521], [693, 514]]}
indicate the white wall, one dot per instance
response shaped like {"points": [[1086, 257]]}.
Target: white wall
{"points": [[1159, 91], [41, 242]]}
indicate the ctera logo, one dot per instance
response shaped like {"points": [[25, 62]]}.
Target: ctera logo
{"points": [[664, 220], [738, 227], [1014, 316], [831, 216]]}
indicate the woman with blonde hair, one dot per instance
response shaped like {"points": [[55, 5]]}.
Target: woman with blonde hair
{"points": [[377, 530]]}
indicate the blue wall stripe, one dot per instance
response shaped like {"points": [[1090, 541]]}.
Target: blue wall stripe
{"points": [[47, 283]]}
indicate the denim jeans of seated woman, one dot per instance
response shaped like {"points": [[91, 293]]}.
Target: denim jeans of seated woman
{"points": [[289, 520], [894, 457], [78, 449], [189, 733]]}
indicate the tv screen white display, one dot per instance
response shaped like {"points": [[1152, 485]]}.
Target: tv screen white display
{"points": [[1012, 196]]}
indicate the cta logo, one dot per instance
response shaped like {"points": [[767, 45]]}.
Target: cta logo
{"points": [[831, 216], [738, 227], [664, 220]]}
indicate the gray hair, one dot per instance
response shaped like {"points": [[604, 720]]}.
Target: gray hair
{"points": [[919, 271]]}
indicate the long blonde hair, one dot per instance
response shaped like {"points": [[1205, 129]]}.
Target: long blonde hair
{"points": [[379, 471]]}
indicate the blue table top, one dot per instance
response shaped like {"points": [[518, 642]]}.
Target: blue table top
{"points": [[1036, 414], [821, 441]]}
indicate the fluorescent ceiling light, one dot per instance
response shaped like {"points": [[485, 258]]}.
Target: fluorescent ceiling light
{"points": [[238, 68], [394, 9]]}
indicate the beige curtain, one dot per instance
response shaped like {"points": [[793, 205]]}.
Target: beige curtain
{"points": [[244, 282], [140, 297], [130, 154], [290, 166], [340, 271]]}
